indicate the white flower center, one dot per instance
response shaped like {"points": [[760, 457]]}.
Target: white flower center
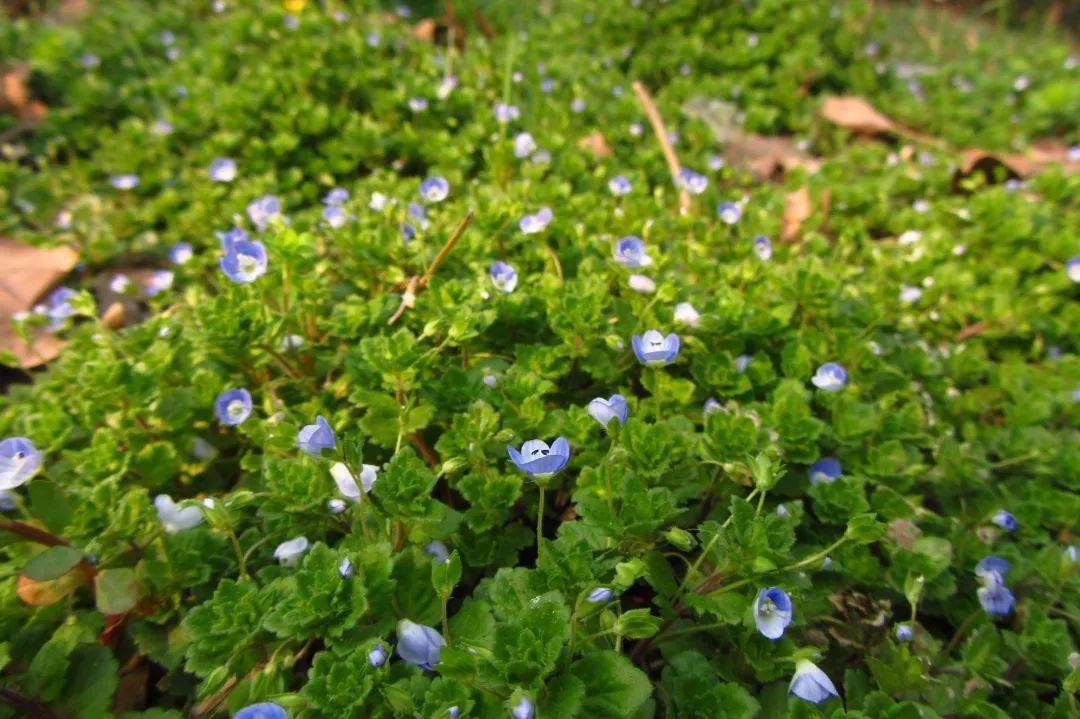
{"points": [[236, 409]]}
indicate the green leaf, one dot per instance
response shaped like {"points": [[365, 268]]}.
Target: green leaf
{"points": [[52, 563], [614, 688], [50, 504], [865, 528], [637, 624], [115, 591]]}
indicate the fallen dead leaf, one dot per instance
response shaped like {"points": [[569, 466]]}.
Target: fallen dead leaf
{"points": [[424, 30], [15, 95], [113, 316], [767, 157], [596, 144], [797, 209], [993, 166], [857, 115], [29, 273], [44, 594]]}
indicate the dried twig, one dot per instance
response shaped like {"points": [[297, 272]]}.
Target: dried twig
{"points": [[417, 283], [31, 533], [661, 134]]}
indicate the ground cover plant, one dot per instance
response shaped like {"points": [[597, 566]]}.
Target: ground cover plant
{"points": [[558, 360]]}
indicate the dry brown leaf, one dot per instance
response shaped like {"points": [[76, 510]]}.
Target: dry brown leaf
{"points": [[596, 144], [857, 115], [43, 594], [44, 346], [425, 30], [15, 95], [797, 209], [29, 272], [1042, 154], [767, 157], [113, 316]]}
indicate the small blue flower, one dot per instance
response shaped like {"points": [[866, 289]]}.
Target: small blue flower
{"points": [[728, 212], [334, 216], [377, 656], [181, 253], [289, 552], [166, 37], [716, 163], [712, 406], [742, 362], [222, 169], [263, 710], [831, 377], [654, 349], [1005, 520], [619, 185], [19, 459], [291, 22], [523, 709], [503, 276], [418, 104], [826, 469], [434, 189], [600, 595], [417, 212], [245, 260], [124, 182], [772, 612], [336, 506], [7, 501], [345, 568], [233, 406], [685, 314], [810, 683], [995, 597], [58, 306], [162, 127], [531, 224], [438, 551], [453, 712], [505, 113], [605, 410], [763, 248], [630, 252], [175, 518], [577, 105], [547, 85], [1072, 268], [159, 281], [691, 181], [314, 438], [992, 565], [524, 145], [419, 644], [538, 460], [264, 210], [336, 197], [88, 61], [904, 632]]}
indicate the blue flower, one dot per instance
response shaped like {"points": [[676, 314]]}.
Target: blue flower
{"points": [[619, 185], [830, 377], [1072, 268], [826, 469], [288, 552], [58, 306], [810, 683], [728, 212], [19, 459], [434, 189], [438, 551], [264, 210], [419, 644], [742, 362], [264, 710], [685, 314], [222, 169], [992, 565], [716, 163], [336, 506], [654, 349], [691, 181], [577, 105], [505, 113], [453, 712], [547, 85], [159, 281], [233, 406], [712, 406], [346, 482], [538, 460], [88, 61], [245, 260], [124, 182], [345, 568], [314, 438], [336, 197], [605, 410], [503, 276], [377, 656], [772, 612], [531, 224], [630, 252], [334, 216], [763, 248], [7, 501], [180, 253], [1005, 520], [175, 518], [523, 709], [524, 145], [418, 104], [904, 632], [600, 595], [995, 597]]}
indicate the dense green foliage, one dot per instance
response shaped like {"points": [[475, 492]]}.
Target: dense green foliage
{"points": [[958, 404]]}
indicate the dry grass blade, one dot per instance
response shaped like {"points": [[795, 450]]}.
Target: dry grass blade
{"points": [[417, 283], [660, 131]]}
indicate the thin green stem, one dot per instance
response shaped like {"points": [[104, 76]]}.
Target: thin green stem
{"points": [[539, 522]]}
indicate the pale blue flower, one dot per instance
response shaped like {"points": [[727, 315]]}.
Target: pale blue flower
{"points": [[7, 501], [244, 260], [377, 656], [523, 709], [119, 284], [314, 438], [438, 551], [175, 518], [159, 281], [600, 595], [547, 85], [58, 306], [685, 314], [336, 506], [1072, 268], [418, 104], [995, 597], [417, 212], [810, 683], [742, 362], [763, 248], [538, 222], [345, 568], [434, 189], [605, 410], [446, 86], [233, 406], [537, 459], [641, 283], [336, 197], [263, 710], [691, 181], [222, 169], [728, 212], [19, 459], [347, 484], [453, 712], [334, 216], [503, 276], [826, 469], [291, 22], [716, 163], [524, 145], [904, 632], [124, 182], [505, 113], [992, 564], [577, 105], [619, 185], [772, 612], [289, 552], [910, 294], [419, 644], [1005, 520], [654, 349], [264, 210], [831, 377], [712, 406], [162, 127], [181, 253], [372, 39], [541, 157], [630, 252], [88, 61]]}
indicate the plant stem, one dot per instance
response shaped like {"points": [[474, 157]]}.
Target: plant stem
{"points": [[539, 523]]}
